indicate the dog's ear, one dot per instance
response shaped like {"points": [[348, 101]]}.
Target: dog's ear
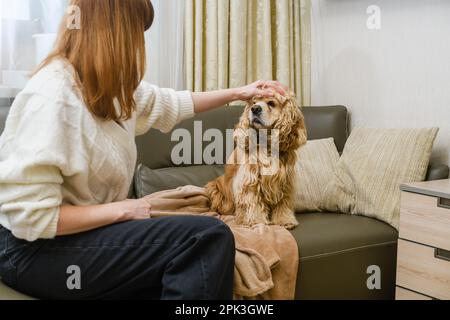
{"points": [[241, 130], [244, 122], [291, 126]]}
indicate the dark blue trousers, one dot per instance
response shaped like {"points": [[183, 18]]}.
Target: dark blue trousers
{"points": [[188, 258]]}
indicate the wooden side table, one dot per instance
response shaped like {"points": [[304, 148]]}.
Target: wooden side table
{"points": [[423, 263]]}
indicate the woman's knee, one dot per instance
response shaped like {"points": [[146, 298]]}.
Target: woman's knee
{"points": [[218, 227], [214, 231], [226, 235], [203, 225], [221, 239]]}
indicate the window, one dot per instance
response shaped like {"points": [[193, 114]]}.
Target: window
{"points": [[28, 30]]}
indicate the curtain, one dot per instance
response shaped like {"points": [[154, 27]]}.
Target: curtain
{"points": [[27, 30], [165, 45], [230, 43]]}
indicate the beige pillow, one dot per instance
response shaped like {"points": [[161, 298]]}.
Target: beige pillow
{"points": [[374, 164], [315, 168]]}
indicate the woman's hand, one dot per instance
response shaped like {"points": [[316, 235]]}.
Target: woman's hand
{"points": [[260, 88], [206, 101], [131, 209], [77, 219]]}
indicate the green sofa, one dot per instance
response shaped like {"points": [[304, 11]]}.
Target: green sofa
{"points": [[335, 249]]}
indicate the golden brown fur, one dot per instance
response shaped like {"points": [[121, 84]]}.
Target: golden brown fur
{"points": [[244, 190]]}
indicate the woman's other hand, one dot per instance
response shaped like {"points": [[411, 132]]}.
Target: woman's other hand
{"points": [[139, 209], [260, 88], [77, 219]]}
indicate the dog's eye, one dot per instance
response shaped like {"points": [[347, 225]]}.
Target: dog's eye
{"points": [[271, 104]]}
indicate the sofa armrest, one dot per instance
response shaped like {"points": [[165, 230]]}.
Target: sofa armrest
{"points": [[437, 172]]}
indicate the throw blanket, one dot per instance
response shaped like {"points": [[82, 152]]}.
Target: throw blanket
{"points": [[266, 256]]}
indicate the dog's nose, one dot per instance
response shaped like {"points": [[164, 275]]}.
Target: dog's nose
{"points": [[257, 110]]}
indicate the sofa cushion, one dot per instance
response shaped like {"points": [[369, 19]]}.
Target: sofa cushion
{"points": [[148, 181], [335, 252], [437, 172], [314, 169], [328, 122], [7, 293], [374, 164]]}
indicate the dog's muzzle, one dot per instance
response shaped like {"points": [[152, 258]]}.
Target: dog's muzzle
{"points": [[256, 113], [256, 110]]}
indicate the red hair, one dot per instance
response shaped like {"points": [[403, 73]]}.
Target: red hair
{"points": [[107, 52]]}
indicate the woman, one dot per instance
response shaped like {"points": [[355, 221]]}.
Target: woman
{"points": [[67, 157]]}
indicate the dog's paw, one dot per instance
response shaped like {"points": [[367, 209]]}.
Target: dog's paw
{"points": [[246, 220], [286, 220], [290, 226]]}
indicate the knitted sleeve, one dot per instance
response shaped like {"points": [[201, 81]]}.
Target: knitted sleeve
{"points": [[37, 148], [161, 109]]}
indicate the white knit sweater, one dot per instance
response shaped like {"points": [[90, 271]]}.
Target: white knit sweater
{"points": [[53, 151]]}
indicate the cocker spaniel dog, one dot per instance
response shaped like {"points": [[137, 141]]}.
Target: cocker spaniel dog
{"points": [[258, 184]]}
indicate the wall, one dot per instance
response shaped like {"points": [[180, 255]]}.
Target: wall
{"points": [[398, 76]]}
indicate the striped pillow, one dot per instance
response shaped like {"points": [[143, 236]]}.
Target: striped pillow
{"points": [[374, 164], [315, 168]]}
